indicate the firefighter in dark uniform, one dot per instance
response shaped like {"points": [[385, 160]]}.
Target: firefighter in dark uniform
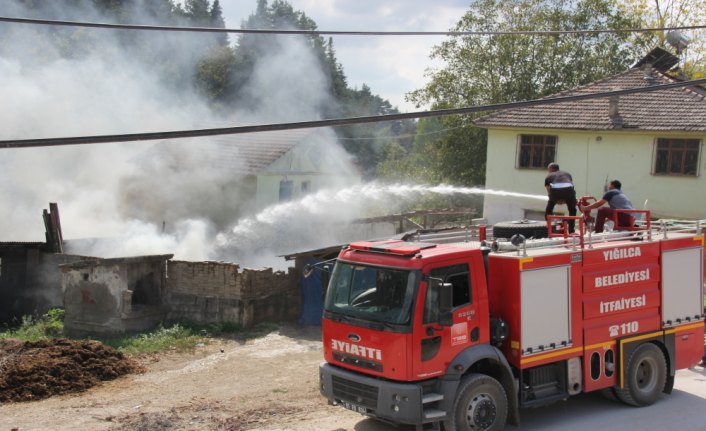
{"points": [[560, 188]]}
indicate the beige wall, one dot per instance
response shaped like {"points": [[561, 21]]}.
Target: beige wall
{"points": [[592, 157]]}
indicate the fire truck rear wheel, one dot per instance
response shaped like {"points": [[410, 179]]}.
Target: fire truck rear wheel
{"points": [[481, 404], [645, 376]]}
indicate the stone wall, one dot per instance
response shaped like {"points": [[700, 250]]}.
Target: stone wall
{"points": [[119, 295], [218, 292], [114, 296]]}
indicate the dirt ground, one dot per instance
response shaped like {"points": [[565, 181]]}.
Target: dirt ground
{"points": [[267, 383], [270, 383]]}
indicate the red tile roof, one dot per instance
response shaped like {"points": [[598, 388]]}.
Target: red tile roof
{"points": [[676, 109], [242, 154]]}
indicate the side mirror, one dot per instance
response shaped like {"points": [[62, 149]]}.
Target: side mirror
{"points": [[324, 266], [446, 291]]}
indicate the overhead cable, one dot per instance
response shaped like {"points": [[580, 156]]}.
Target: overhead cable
{"points": [[336, 122], [404, 135], [339, 32]]}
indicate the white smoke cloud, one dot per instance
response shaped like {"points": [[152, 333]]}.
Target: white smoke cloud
{"points": [[148, 200], [288, 83], [165, 198], [102, 90]]}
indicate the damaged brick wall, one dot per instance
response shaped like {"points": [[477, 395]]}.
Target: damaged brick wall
{"points": [[216, 292], [114, 296]]}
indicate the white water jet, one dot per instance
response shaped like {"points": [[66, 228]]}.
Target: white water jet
{"points": [[324, 218], [447, 190]]}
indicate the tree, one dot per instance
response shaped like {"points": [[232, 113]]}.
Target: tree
{"points": [[508, 67], [198, 12], [251, 47], [370, 143], [217, 21], [213, 74], [339, 82], [672, 13]]}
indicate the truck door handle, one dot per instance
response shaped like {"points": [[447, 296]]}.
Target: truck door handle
{"points": [[475, 334], [432, 330]]}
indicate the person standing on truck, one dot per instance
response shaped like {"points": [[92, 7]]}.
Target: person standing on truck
{"points": [[560, 188], [616, 200]]}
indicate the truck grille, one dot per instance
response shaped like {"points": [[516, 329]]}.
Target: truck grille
{"points": [[358, 393], [362, 363]]}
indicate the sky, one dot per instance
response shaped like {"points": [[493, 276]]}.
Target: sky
{"points": [[390, 65]]}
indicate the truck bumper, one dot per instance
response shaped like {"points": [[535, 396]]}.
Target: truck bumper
{"points": [[390, 401]]}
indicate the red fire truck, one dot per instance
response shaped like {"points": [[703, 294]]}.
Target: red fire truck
{"points": [[466, 334]]}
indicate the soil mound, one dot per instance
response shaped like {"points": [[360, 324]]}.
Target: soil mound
{"points": [[40, 369]]}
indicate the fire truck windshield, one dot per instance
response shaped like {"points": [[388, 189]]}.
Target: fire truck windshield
{"points": [[372, 293]]}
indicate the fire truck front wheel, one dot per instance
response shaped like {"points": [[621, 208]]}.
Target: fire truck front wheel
{"points": [[481, 404], [645, 376]]}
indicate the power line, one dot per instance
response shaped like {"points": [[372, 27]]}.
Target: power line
{"points": [[404, 135], [339, 32], [104, 139]]}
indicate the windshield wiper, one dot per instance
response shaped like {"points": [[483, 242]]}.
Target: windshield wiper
{"points": [[377, 325], [339, 317]]}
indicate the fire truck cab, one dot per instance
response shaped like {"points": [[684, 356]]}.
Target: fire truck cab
{"points": [[466, 334]]}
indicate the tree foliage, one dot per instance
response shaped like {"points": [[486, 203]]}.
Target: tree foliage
{"points": [[371, 143], [509, 67], [251, 47], [669, 14]]}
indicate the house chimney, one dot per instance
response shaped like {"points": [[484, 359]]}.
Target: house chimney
{"points": [[614, 113], [649, 77]]}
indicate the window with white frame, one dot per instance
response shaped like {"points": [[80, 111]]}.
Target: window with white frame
{"points": [[677, 156], [536, 151]]}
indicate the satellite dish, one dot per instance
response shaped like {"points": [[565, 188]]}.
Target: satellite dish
{"points": [[678, 41]]}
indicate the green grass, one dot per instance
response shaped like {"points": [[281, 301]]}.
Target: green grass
{"points": [[177, 336], [50, 325], [174, 337]]}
